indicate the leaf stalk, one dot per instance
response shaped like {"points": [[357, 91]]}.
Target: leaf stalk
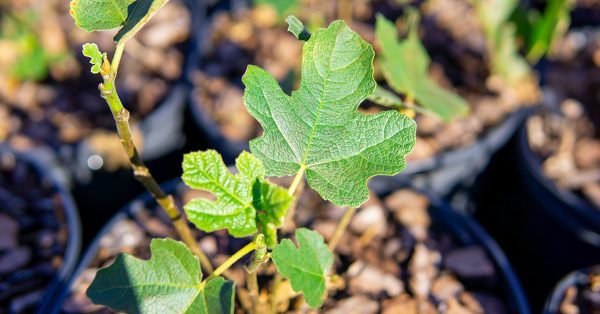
{"points": [[297, 178], [231, 260], [341, 228]]}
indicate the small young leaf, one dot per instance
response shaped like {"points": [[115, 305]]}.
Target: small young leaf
{"points": [[272, 203], [319, 127], [239, 205], [100, 15], [505, 60], [96, 58], [233, 208], [296, 27], [405, 66], [170, 282], [306, 266]]}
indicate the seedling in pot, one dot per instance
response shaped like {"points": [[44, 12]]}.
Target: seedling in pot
{"points": [[505, 61], [405, 66], [316, 133], [27, 58], [503, 20], [540, 29]]}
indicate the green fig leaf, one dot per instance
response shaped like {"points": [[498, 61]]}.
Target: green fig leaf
{"points": [[96, 58], [101, 15], [237, 208], [500, 33], [306, 266], [271, 203], [170, 282], [405, 65], [319, 128]]}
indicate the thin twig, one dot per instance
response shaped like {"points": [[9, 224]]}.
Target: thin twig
{"points": [[260, 257], [297, 178], [141, 172], [296, 188], [288, 222]]}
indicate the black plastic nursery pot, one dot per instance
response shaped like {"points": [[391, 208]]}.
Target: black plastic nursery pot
{"points": [[577, 279], [554, 230], [465, 230], [470, 232], [49, 175]]}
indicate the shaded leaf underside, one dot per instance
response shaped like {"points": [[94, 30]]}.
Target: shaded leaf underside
{"points": [[170, 282]]}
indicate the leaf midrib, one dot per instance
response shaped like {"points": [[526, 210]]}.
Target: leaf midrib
{"points": [[116, 6], [243, 204], [321, 101]]}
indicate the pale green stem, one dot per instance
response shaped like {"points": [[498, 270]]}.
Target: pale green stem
{"points": [[116, 61], [231, 260], [260, 257], [253, 289], [297, 178], [341, 228], [141, 172]]}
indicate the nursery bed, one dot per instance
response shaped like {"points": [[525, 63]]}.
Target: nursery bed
{"points": [[391, 260]]}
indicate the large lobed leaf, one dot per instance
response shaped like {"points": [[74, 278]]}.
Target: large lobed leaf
{"points": [[170, 282], [306, 266], [244, 201], [319, 127], [405, 65], [101, 15]]}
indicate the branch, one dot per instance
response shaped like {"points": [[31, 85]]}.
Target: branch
{"points": [[141, 172]]}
